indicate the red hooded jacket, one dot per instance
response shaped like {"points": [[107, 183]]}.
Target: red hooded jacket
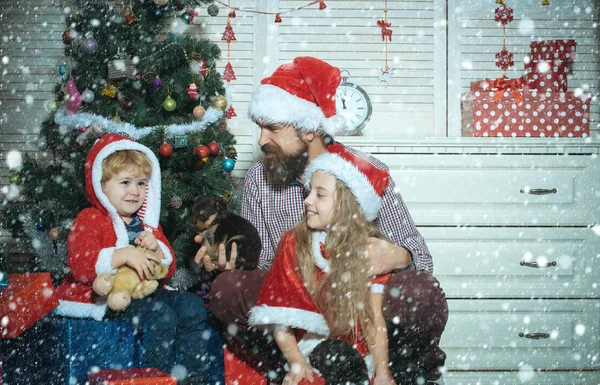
{"points": [[99, 230]]}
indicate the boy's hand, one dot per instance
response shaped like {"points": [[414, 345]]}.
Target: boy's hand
{"points": [[147, 240], [142, 262], [223, 264], [297, 373]]}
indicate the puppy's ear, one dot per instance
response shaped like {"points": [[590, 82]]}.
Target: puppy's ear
{"points": [[221, 204]]}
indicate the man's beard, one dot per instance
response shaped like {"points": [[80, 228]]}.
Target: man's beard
{"points": [[282, 168]]}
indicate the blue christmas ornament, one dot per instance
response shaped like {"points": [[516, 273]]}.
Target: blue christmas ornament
{"points": [[158, 12], [41, 225], [62, 69], [228, 164]]}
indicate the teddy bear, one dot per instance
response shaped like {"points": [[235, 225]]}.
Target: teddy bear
{"points": [[126, 284]]}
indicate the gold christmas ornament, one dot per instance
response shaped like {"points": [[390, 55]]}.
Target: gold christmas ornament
{"points": [[220, 103], [545, 2], [160, 3], [199, 112], [110, 91]]}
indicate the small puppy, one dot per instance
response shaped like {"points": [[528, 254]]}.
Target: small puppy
{"points": [[217, 225]]}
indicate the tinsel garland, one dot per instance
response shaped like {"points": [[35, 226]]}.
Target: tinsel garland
{"points": [[81, 120]]}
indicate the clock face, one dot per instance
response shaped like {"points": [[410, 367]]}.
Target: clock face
{"points": [[353, 102]]}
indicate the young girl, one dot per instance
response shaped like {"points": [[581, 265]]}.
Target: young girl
{"points": [[321, 300]]}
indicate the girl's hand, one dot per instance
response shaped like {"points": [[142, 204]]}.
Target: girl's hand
{"points": [[147, 240], [384, 377], [297, 373], [142, 262]]}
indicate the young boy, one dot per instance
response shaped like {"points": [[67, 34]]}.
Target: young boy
{"points": [[123, 185]]}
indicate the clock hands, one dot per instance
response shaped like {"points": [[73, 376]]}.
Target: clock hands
{"points": [[343, 103]]}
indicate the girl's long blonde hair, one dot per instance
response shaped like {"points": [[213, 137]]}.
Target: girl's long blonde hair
{"points": [[343, 295]]}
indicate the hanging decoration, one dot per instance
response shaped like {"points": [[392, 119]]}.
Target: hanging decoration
{"points": [[66, 37], [212, 10], [110, 90], [230, 113], [545, 2], [192, 90], [130, 17], [74, 101], [188, 16], [386, 37], [504, 58], [228, 36], [277, 15], [121, 67]]}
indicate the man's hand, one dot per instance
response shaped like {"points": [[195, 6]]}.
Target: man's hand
{"points": [[142, 262], [386, 257], [297, 373], [204, 259], [147, 240]]}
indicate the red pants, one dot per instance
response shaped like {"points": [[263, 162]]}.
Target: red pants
{"points": [[414, 307]]}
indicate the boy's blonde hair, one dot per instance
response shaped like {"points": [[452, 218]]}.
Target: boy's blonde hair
{"points": [[125, 159]]}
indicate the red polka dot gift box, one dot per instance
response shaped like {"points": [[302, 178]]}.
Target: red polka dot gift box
{"points": [[548, 64], [508, 108]]}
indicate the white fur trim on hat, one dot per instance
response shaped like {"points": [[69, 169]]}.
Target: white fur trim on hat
{"points": [[273, 105], [152, 215], [351, 176], [287, 316], [81, 309]]}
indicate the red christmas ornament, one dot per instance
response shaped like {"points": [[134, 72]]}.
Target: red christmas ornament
{"points": [[386, 33], [230, 113], [165, 150], [504, 59], [192, 90], [213, 148], [504, 14], [232, 14], [228, 73], [277, 18], [202, 152], [228, 35], [66, 37], [322, 5]]}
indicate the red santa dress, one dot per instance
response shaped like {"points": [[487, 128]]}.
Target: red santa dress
{"points": [[284, 301], [99, 230]]}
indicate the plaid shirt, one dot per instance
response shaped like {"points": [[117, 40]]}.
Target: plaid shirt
{"points": [[275, 209]]}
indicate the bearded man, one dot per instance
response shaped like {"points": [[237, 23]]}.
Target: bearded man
{"points": [[295, 110]]}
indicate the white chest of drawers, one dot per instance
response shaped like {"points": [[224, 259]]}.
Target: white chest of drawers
{"points": [[510, 226]]}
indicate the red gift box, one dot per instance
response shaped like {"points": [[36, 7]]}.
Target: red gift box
{"points": [[26, 299], [547, 76], [237, 372], [137, 376], [492, 112], [550, 50]]}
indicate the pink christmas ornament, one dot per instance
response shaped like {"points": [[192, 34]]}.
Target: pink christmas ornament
{"points": [[74, 97]]}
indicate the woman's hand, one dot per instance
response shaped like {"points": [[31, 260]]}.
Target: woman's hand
{"points": [[298, 372]]}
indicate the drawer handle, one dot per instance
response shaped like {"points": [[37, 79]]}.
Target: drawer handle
{"points": [[535, 264], [534, 336], [538, 191]]}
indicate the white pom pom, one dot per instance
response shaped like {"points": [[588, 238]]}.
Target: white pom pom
{"points": [[335, 125]]}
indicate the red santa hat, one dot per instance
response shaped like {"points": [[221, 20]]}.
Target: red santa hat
{"points": [[301, 94], [366, 182]]}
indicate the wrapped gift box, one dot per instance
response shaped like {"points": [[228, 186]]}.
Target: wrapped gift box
{"points": [[537, 115], [62, 351], [553, 50], [24, 301], [547, 76], [140, 376]]}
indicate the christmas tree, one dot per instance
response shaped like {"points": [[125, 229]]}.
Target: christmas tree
{"points": [[124, 73]]}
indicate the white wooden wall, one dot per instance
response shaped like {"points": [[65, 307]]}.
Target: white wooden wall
{"points": [[438, 47]]}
